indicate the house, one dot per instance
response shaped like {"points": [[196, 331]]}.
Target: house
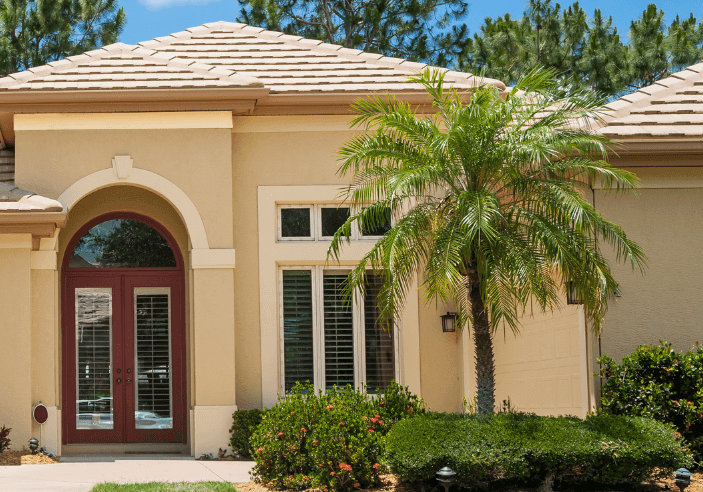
{"points": [[165, 213], [164, 226]]}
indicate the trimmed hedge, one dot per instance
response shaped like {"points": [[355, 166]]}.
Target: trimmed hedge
{"points": [[657, 382], [244, 423], [527, 448]]}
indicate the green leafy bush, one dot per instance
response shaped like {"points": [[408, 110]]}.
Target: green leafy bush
{"points": [[244, 423], [331, 440], [657, 382], [4, 440], [527, 448]]}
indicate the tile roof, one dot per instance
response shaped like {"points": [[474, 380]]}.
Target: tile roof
{"points": [[669, 108], [7, 166], [13, 199], [121, 66], [229, 55]]}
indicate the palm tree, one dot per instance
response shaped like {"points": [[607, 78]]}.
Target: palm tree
{"points": [[488, 196]]}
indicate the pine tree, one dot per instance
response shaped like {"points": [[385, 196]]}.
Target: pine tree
{"points": [[36, 32], [656, 51], [420, 30], [587, 53]]}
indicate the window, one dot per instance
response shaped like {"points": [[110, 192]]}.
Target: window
{"points": [[320, 222], [381, 229], [122, 243], [294, 222], [329, 340], [331, 219]]}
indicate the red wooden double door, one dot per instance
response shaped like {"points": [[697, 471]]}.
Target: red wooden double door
{"points": [[123, 354]]}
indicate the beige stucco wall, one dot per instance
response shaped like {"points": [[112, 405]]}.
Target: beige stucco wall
{"points": [[540, 369], [440, 360], [667, 221], [198, 161], [16, 337]]}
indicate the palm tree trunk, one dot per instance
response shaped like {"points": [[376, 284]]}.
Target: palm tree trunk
{"points": [[483, 340]]}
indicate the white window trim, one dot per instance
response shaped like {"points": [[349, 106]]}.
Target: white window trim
{"points": [[358, 320], [279, 222]]}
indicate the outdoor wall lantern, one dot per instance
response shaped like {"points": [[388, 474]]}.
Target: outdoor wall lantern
{"points": [[448, 322], [33, 444], [446, 476], [682, 478], [572, 294]]}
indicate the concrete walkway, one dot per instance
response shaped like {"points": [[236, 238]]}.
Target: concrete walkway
{"points": [[82, 474]]}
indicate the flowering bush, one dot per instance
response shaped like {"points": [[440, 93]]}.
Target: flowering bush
{"points": [[657, 382], [332, 440]]}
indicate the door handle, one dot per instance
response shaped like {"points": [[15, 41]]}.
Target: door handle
{"points": [[119, 380]]}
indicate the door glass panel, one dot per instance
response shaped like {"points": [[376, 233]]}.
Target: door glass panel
{"points": [[94, 358], [152, 364], [122, 243]]}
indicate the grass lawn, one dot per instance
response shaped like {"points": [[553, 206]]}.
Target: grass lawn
{"points": [[166, 487]]}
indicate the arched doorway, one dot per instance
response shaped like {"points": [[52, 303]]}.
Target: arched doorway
{"points": [[123, 333]]}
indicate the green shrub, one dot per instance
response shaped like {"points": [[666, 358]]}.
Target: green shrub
{"points": [[527, 448], [657, 382], [4, 440], [244, 423], [331, 440]]}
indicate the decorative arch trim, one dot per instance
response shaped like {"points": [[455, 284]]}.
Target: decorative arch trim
{"points": [[144, 179]]}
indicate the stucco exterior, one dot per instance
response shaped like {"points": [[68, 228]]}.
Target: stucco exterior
{"points": [[666, 220]]}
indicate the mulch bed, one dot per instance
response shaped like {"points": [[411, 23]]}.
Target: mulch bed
{"points": [[390, 483], [24, 457]]}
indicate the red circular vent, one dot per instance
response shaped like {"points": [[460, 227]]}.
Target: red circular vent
{"points": [[40, 413]]}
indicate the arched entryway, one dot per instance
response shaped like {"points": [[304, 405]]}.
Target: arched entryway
{"points": [[123, 333]]}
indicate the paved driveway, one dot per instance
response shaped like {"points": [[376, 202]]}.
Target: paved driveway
{"points": [[82, 474]]}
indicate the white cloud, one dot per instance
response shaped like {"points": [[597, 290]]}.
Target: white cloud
{"points": [[165, 4]]}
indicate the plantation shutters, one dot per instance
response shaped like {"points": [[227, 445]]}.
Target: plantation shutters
{"points": [[380, 350], [297, 327], [329, 340], [339, 332]]}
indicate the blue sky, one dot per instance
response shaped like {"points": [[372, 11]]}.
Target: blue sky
{"points": [[147, 19]]}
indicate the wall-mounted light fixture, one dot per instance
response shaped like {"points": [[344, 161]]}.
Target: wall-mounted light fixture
{"points": [[449, 322], [572, 294]]}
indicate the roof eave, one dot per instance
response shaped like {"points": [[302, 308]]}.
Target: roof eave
{"points": [[656, 151], [240, 100], [337, 102]]}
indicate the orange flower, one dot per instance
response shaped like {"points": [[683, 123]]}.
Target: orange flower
{"points": [[375, 466], [332, 474], [357, 485]]}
